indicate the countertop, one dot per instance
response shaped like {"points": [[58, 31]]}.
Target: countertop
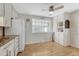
{"points": [[6, 39]]}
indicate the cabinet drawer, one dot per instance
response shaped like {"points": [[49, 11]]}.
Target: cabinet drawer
{"points": [[3, 52], [8, 44]]}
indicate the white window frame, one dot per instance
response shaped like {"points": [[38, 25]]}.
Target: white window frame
{"points": [[40, 24]]}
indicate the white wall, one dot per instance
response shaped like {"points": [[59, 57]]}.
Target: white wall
{"points": [[40, 37], [36, 37]]}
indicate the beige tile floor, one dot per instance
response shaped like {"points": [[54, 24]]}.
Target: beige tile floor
{"points": [[49, 49]]}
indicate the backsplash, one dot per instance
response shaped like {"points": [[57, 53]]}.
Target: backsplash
{"points": [[0, 31], [7, 31]]}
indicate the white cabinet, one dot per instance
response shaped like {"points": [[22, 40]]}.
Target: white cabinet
{"points": [[5, 14], [16, 45], [19, 24], [60, 29], [7, 49], [62, 35], [1, 9], [11, 48], [14, 13], [75, 29], [3, 52], [55, 24], [67, 41]]}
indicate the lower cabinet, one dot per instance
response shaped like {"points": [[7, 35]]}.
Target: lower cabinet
{"points": [[10, 49], [3, 52], [16, 45], [7, 49]]}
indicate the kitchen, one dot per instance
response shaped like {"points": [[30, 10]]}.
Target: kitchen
{"points": [[10, 43], [35, 31], [16, 30]]}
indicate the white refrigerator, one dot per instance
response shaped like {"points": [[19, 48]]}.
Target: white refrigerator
{"points": [[18, 28]]}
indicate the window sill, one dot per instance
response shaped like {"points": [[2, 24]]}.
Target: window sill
{"points": [[41, 33]]}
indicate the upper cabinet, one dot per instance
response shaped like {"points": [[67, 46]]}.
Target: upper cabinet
{"points": [[5, 14], [14, 13], [1, 9]]}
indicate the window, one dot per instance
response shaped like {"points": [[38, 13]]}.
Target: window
{"points": [[40, 26]]}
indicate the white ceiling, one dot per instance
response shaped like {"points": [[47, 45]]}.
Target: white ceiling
{"points": [[41, 9]]}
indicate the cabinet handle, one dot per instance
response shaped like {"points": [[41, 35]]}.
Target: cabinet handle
{"points": [[9, 53], [6, 53], [7, 46], [11, 18]]}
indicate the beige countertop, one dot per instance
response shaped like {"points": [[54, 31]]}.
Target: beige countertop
{"points": [[6, 39]]}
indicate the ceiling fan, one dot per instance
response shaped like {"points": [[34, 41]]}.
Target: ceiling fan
{"points": [[55, 8], [52, 8]]}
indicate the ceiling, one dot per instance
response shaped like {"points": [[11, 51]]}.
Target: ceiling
{"points": [[42, 9]]}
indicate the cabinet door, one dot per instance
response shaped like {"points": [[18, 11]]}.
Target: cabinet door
{"points": [[8, 12], [7, 49], [61, 38], [75, 36], [14, 13], [16, 45], [1, 9], [11, 49], [55, 29], [3, 52], [76, 41]]}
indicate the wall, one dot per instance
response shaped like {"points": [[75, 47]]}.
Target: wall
{"points": [[40, 37], [36, 37]]}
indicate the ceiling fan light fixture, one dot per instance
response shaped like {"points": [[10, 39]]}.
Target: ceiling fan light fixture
{"points": [[51, 9], [51, 12]]}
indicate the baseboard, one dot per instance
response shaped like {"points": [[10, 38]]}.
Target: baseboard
{"points": [[38, 41]]}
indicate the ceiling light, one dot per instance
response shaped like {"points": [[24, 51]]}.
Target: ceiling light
{"points": [[51, 9], [51, 12]]}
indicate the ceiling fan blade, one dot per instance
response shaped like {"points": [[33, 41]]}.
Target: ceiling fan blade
{"points": [[59, 7]]}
